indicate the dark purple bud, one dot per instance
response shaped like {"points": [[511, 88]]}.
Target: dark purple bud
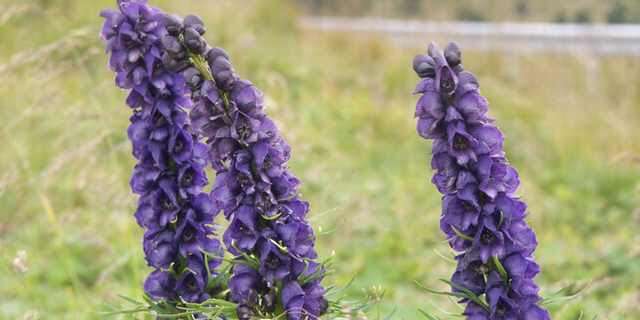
{"points": [[173, 24], [221, 64], [423, 66], [194, 41], [192, 76], [171, 45], [226, 79], [223, 73], [247, 97], [452, 54], [214, 53], [172, 64], [193, 21]]}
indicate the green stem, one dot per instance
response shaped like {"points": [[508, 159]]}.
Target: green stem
{"points": [[200, 63], [500, 268]]}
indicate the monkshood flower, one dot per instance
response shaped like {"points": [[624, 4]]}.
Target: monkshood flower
{"points": [[268, 234], [169, 176], [483, 219]]}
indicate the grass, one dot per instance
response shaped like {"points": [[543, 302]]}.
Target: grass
{"points": [[344, 104]]}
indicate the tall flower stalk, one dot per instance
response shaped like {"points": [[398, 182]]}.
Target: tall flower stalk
{"points": [[274, 269], [482, 218], [176, 214]]}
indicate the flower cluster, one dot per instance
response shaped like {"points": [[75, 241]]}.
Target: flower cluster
{"points": [[481, 217], [268, 234], [169, 175]]}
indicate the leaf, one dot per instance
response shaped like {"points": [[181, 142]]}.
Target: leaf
{"points": [[427, 315], [460, 234], [468, 293], [567, 293], [130, 300]]}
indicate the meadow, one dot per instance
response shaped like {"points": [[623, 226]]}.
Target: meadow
{"points": [[69, 244]]}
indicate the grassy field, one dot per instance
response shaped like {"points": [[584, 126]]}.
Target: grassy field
{"points": [[68, 241]]}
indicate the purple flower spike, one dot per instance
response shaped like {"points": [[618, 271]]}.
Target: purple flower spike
{"points": [[268, 233], [482, 217], [259, 195], [169, 176]]}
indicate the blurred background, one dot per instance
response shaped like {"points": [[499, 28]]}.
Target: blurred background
{"points": [[340, 90]]}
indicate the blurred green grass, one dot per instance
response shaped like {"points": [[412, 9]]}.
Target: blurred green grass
{"points": [[344, 104]]}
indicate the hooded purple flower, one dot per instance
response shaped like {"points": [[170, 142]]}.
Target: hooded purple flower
{"points": [[481, 216], [242, 231], [192, 283], [314, 301], [462, 213], [169, 176], [275, 264], [244, 285], [475, 312], [471, 277], [293, 300], [160, 285]]}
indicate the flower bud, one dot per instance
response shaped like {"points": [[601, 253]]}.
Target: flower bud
{"points": [[173, 64], [214, 53], [423, 66], [194, 41], [171, 44], [223, 73], [452, 54], [193, 21], [173, 24], [192, 76]]}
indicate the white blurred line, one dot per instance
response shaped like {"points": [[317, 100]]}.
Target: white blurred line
{"points": [[508, 36]]}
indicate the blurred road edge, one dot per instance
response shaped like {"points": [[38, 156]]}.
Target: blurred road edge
{"points": [[599, 39]]}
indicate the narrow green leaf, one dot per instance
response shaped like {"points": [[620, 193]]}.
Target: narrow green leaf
{"points": [[500, 268], [460, 234], [427, 315]]}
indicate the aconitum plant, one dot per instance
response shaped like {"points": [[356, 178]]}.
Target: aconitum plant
{"points": [[169, 175], [482, 218], [274, 269]]}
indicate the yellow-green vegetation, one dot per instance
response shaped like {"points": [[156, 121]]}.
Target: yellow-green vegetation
{"points": [[69, 244]]}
